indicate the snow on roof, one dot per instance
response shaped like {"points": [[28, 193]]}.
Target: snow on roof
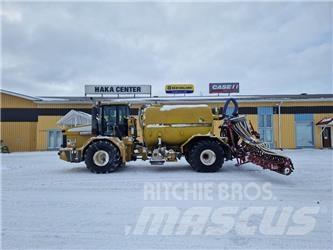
{"points": [[172, 107], [75, 118], [31, 98], [327, 121], [51, 99]]}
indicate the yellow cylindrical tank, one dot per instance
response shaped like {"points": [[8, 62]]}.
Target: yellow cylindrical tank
{"points": [[174, 124]]}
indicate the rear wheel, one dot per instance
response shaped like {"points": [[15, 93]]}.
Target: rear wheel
{"points": [[206, 156], [102, 157]]}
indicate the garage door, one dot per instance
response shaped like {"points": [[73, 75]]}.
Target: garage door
{"points": [[304, 130]]}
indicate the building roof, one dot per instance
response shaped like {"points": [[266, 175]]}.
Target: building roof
{"points": [[27, 97], [188, 99], [170, 99]]}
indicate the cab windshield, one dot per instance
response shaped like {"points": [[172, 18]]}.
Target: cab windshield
{"points": [[114, 120]]}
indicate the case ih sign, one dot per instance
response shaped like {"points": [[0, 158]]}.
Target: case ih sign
{"points": [[229, 87]]}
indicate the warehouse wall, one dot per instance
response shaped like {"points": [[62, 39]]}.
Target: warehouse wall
{"points": [[287, 131], [19, 136], [64, 106], [45, 123], [9, 101]]}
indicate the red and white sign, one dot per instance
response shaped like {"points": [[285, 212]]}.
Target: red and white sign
{"points": [[230, 87]]}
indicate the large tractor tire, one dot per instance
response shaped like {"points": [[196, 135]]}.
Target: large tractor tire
{"points": [[206, 156], [102, 157]]}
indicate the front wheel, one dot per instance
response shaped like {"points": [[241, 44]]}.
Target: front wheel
{"points": [[102, 157], [206, 156]]}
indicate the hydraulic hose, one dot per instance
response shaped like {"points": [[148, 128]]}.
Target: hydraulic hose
{"points": [[225, 108]]}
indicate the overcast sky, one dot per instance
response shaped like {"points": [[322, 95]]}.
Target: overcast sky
{"points": [[270, 48]]}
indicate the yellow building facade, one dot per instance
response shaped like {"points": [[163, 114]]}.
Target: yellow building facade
{"points": [[285, 121]]}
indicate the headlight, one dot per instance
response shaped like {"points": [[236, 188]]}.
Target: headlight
{"points": [[71, 143]]}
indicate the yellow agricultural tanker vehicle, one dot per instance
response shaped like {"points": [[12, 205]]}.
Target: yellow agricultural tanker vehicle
{"points": [[168, 132]]}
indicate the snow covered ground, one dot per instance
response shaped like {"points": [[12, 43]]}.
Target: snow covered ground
{"points": [[51, 204]]}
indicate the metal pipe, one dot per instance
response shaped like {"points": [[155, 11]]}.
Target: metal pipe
{"points": [[322, 128], [279, 128]]}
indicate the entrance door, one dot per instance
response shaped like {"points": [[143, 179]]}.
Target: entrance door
{"points": [[326, 137], [265, 120], [54, 139]]}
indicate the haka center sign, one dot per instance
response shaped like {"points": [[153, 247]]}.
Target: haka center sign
{"points": [[117, 89], [228, 87]]}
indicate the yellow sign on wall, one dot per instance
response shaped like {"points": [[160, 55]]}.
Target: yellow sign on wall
{"points": [[179, 88]]}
